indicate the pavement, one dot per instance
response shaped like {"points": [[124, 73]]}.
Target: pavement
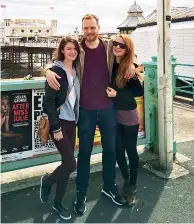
{"points": [[159, 200], [183, 121]]}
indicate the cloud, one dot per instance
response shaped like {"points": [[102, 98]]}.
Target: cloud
{"points": [[69, 12]]}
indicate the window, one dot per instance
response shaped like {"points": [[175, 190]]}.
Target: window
{"points": [[47, 31], [31, 31], [39, 31], [22, 31]]}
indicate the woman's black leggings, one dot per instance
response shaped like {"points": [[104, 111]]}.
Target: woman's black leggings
{"points": [[127, 142], [65, 146]]}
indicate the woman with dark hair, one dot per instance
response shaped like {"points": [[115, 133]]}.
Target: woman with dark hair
{"points": [[62, 110], [124, 92]]}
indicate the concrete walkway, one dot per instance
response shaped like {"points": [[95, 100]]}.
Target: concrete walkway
{"points": [[159, 200], [183, 121]]}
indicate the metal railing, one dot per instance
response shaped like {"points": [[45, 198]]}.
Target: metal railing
{"points": [[187, 82], [31, 44]]}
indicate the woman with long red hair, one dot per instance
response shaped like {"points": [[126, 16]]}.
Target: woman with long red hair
{"points": [[123, 92]]}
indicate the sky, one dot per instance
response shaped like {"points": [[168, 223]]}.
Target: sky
{"points": [[68, 13]]}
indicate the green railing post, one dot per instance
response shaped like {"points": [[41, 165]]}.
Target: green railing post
{"points": [[151, 71]]}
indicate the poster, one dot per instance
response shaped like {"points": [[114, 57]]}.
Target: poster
{"points": [[16, 124], [140, 108], [38, 148]]}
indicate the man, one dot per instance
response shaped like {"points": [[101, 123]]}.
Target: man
{"points": [[96, 108]]}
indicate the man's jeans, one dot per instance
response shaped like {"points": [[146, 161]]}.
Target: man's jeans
{"points": [[106, 120]]}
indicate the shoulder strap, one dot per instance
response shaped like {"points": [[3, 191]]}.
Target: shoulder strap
{"points": [[68, 92]]}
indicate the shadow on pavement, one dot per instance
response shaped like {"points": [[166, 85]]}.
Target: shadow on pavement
{"points": [[150, 188], [25, 206]]}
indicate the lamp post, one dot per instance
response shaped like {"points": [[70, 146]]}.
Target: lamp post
{"points": [[165, 100]]}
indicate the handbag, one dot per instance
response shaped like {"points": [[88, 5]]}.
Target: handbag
{"points": [[43, 129]]}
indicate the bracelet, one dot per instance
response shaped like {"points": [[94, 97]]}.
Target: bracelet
{"points": [[57, 131], [46, 70]]}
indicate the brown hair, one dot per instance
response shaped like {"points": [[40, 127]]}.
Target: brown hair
{"points": [[90, 16], [58, 55], [126, 61]]}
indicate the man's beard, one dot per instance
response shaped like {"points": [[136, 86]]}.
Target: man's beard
{"points": [[91, 38]]}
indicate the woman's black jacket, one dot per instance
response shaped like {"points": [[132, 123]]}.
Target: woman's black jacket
{"points": [[54, 99], [125, 98]]}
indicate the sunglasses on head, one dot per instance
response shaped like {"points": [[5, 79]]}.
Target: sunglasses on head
{"points": [[122, 46]]}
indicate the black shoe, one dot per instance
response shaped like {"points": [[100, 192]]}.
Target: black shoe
{"points": [[45, 189], [63, 212], [80, 204], [114, 195]]}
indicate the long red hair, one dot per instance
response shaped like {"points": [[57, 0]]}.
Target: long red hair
{"points": [[126, 61]]}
